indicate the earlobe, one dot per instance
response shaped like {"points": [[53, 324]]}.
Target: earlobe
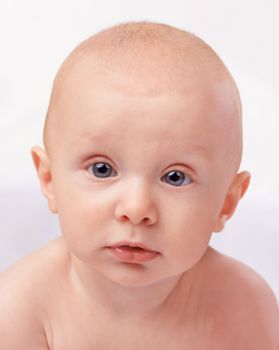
{"points": [[235, 193], [43, 169]]}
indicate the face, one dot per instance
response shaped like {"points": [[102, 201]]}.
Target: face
{"points": [[140, 168]]}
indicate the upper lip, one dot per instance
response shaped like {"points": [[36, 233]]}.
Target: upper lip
{"points": [[131, 244]]}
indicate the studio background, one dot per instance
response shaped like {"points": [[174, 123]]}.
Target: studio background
{"points": [[37, 36]]}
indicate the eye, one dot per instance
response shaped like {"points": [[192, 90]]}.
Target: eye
{"points": [[177, 178], [100, 169]]}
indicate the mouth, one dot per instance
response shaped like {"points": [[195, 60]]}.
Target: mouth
{"points": [[131, 246], [132, 252]]}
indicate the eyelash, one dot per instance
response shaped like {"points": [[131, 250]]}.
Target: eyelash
{"points": [[177, 169]]}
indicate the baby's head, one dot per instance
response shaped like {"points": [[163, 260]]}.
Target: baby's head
{"points": [[143, 143]]}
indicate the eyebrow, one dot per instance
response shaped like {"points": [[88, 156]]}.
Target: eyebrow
{"points": [[97, 137], [103, 138]]}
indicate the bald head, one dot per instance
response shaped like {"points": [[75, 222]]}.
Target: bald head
{"points": [[143, 58]]}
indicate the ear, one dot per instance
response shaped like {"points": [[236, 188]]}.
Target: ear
{"points": [[42, 165], [234, 194]]}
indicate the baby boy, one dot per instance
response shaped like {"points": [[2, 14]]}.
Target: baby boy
{"points": [[142, 148]]}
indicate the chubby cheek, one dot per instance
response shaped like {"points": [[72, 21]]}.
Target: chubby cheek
{"points": [[188, 231], [82, 221]]}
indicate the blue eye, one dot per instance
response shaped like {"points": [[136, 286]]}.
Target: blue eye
{"points": [[177, 178], [101, 170]]}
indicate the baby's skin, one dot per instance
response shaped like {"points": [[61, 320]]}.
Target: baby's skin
{"points": [[142, 147]]}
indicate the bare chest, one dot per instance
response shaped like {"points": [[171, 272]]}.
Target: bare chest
{"points": [[95, 338], [75, 332]]}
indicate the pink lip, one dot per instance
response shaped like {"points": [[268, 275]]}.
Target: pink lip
{"points": [[123, 253], [131, 244]]}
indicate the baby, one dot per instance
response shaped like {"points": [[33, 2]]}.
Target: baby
{"points": [[143, 143]]}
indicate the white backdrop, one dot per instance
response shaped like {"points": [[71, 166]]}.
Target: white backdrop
{"points": [[36, 36]]}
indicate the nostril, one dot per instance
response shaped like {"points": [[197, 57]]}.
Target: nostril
{"points": [[125, 218]]}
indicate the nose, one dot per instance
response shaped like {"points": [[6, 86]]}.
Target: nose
{"points": [[136, 205]]}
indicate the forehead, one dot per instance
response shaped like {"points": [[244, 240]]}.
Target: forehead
{"points": [[95, 98], [111, 115]]}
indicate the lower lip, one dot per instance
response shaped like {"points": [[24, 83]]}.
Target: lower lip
{"points": [[133, 256]]}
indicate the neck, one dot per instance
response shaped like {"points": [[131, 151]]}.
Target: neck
{"points": [[131, 302]]}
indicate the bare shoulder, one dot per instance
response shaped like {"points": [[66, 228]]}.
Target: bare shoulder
{"points": [[242, 307], [24, 293], [32, 273]]}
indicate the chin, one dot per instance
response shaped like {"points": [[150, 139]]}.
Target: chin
{"points": [[132, 276]]}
